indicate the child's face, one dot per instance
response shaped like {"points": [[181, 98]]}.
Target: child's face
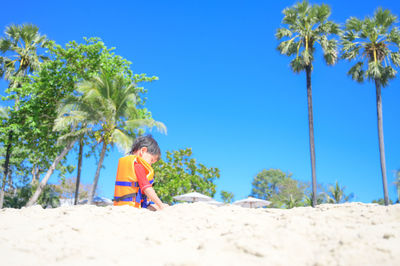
{"points": [[149, 158]]}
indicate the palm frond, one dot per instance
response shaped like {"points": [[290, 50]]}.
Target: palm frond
{"points": [[384, 18], [374, 70], [124, 141], [297, 64], [395, 58], [356, 72], [283, 32], [353, 24], [394, 36], [350, 50], [149, 123], [288, 47], [320, 12], [388, 73], [5, 45], [310, 24], [72, 135], [72, 119], [290, 16], [307, 56]]}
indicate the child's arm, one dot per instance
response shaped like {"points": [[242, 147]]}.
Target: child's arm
{"points": [[152, 195], [146, 187]]}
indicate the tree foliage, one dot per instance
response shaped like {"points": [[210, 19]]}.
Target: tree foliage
{"points": [[279, 188], [381, 201], [55, 72], [106, 108], [226, 196], [179, 174], [19, 48], [337, 195], [306, 26], [21, 195], [65, 188], [374, 44]]}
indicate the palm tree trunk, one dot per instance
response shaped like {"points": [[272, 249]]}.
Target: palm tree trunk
{"points": [[53, 166], [6, 164], [311, 134], [78, 177], [381, 142], [96, 177]]}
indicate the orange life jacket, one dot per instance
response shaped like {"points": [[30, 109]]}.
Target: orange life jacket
{"points": [[127, 190]]}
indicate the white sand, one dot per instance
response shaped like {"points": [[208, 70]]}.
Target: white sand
{"points": [[201, 234]]}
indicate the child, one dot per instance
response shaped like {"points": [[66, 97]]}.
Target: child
{"points": [[135, 175]]}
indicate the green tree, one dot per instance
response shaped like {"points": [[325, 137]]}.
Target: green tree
{"points": [[290, 194], [78, 177], [42, 92], [3, 116], [279, 188], [226, 196], [179, 174], [381, 201], [55, 82], [266, 183], [20, 197], [306, 26], [374, 43], [337, 195], [321, 194], [20, 44]]}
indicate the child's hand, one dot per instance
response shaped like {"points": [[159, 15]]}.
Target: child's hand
{"points": [[152, 207]]}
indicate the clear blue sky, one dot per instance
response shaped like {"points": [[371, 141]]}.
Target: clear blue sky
{"points": [[228, 94]]}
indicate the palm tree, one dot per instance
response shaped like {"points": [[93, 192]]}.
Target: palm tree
{"points": [[307, 26], [336, 194], [374, 43], [108, 107], [78, 176], [3, 115], [67, 140], [23, 42], [397, 183]]}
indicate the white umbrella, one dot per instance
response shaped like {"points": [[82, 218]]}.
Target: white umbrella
{"points": [[216, 203], [98, 201], [102, 200], [251, 202], [192, 197]]}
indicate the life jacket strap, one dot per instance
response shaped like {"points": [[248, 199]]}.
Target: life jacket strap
{"points": [[126, 184], [127, 197]]}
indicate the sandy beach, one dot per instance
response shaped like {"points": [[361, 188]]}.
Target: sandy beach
{"points": [[201, 234]]}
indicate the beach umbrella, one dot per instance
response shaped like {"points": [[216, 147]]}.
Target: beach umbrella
{"points": [[251, 202], [193, 197], [214, 202], [102, 201]]}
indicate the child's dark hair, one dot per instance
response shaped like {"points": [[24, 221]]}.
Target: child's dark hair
{"points": [[148, 142]]}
